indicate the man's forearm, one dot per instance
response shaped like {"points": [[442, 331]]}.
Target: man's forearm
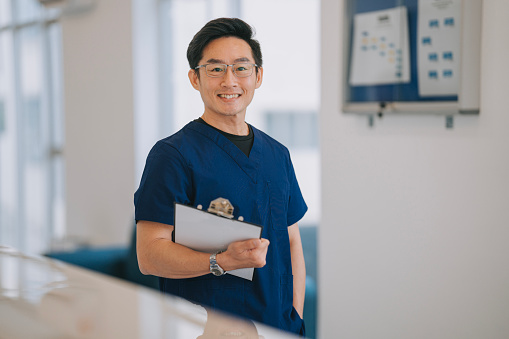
{"points": [[158, 255], [169, 260], [298, 269]]}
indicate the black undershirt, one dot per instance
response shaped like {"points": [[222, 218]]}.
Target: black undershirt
{"points": [[243, 142]]}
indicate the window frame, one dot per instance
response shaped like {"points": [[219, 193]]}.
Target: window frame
{"points": [[50, 110]]}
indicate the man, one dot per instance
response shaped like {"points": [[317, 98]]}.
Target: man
{"points": [[220, 155]]}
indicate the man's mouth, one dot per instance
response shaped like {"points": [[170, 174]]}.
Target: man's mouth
{"points": [[229, 96]]}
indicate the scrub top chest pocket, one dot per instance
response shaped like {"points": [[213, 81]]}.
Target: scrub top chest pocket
{"points": [[278, 203]]}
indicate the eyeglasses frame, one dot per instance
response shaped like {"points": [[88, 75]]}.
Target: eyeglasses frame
{"points": [[233, 69]]}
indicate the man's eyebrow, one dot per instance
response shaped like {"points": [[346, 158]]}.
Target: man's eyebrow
{"points": [[242, 60], [215, 61], [219, 61]]}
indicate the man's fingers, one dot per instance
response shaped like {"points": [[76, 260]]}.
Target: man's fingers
{"points": [[253, 244], [248, 253]]}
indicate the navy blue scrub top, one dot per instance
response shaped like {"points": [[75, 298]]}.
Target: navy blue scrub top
{"points": [[197, 165]]}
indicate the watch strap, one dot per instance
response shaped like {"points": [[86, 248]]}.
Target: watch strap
{"points": [[214, 266]]}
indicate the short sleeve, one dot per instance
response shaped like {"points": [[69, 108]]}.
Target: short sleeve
{"points": [[165, 180], [297, 207]]}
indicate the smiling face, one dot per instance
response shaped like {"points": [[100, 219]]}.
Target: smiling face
{"points": [[229, 95]]}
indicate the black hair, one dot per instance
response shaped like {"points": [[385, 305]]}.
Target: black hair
{"points": [[221, 28]]}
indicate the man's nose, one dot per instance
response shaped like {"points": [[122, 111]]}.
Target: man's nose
{"points": [[229, 77]]}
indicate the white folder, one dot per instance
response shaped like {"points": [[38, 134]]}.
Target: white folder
{"points": [[206, 232]]}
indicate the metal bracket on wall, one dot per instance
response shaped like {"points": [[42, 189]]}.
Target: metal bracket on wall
{"points": [[449, 122], [371, 120]]}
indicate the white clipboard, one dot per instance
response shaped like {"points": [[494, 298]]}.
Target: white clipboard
{"points": [[206, 232]]}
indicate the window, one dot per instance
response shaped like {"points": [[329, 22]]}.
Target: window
{"points": [[31, 129], [296, 130]]}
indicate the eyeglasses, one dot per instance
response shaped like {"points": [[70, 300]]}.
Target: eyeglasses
{"points": [[241, 69]]}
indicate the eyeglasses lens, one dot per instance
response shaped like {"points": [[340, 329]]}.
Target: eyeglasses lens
{"points": [[218, 70]]}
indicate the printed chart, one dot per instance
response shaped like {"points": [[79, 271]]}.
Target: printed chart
{"points": [[438, 47], [380, 51]]}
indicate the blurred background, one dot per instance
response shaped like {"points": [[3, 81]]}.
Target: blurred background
{"points": [[45, 125], [412, 217]]}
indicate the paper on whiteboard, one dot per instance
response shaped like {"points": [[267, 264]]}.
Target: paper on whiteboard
{"points": [[380, 51], [438, 47], [209, 233]]}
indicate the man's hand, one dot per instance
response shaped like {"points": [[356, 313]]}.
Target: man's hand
{"points": [[244, 254]]}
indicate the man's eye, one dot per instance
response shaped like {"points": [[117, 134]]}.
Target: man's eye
{"points": [[217, 69], [241, 68]]}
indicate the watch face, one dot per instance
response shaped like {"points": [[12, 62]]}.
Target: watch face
{"points": [[216, 270]]}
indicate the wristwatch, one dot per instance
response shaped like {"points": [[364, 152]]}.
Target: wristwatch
{"points": [[215, 269]]}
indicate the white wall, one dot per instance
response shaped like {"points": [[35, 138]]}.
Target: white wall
{"points": [[414, 240], [99, 137]]}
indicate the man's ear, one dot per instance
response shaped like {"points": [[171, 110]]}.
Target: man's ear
{"points": [[259, 77], [193, 78]]}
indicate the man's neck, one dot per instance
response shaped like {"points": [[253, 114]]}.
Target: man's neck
{"points": [[232, 125]]}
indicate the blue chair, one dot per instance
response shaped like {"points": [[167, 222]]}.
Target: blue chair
{"points": [[120, 262]]}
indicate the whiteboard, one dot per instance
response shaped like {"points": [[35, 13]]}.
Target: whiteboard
{"points": [[440, 42]]}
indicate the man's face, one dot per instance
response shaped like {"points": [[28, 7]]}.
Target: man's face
{"points": [[228, 95]]}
